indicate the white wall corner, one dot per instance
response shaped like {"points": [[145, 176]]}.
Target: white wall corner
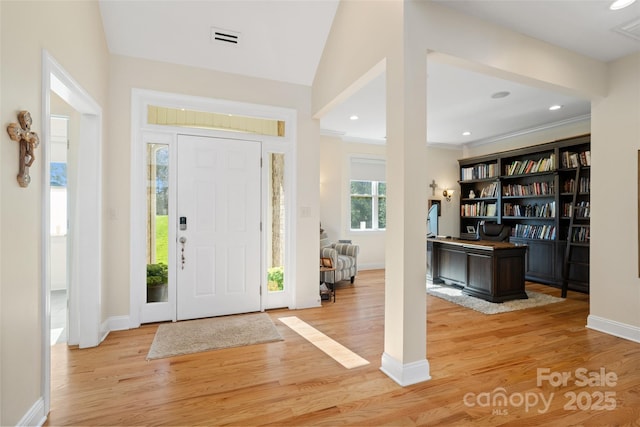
{"points": [[407, 374], [35, 416], [311, 302], [611, 327], [114, 323]]}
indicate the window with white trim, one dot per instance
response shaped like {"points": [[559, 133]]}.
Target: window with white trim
{"points": [[368, 194]]}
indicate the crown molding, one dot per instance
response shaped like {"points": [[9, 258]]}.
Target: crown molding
{"points": [[546, 126]]}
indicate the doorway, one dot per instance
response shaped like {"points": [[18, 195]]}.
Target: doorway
{"points": [[157, 196], [218, 205], [59, 201]]}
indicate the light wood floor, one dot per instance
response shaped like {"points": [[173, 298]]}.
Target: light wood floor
{"points": [[293, 383]]}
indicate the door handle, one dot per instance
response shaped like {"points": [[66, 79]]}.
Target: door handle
{"points": [[182, 240]]}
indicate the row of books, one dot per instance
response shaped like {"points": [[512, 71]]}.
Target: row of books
{"points": [[478, 209], [479, 171], [490, 190], [568, 185], [544, 210], [524, 167], [580, 235], [572, 160], [532, 189], [543, 232], [583, 210], [584, 185]]}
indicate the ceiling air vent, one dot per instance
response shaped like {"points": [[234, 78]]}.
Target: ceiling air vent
{"points": [[630, 29], [225, 37]]}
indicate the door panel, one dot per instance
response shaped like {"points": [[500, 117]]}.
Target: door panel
{"points": [[219, 194]]}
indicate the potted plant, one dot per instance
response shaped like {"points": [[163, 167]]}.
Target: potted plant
{"points": [[275, 279], [157, 282]]}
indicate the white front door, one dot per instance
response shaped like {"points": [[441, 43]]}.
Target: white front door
{"points": [[218, 248]]}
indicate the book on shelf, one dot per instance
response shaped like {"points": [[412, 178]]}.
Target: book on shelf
{"points": [[582, 210], [572, 160], [479, 171], [540, 232], [567, 209], [490, 190], [585, 185], [544, 210], [478, 209], [532, 189], [580, 235], [524, 167], [568, 185]]}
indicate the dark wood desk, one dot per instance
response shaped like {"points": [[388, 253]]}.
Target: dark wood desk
{"points": [[493, 271]]}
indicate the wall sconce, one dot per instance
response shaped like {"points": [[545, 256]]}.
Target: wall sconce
{"points": [[447, 194]]}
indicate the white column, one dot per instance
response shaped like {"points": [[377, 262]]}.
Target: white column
{"points": [[404, 357]]}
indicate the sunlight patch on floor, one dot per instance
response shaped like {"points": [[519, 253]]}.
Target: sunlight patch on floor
{"points": [[337, 351]]}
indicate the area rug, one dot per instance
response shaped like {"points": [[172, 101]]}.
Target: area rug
{"points": [[455, 295], [193, 336]]}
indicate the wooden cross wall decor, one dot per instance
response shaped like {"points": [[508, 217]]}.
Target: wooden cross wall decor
{"points": [[28, 140], [433, 186]]}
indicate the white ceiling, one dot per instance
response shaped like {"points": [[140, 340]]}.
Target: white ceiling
{"points": [[279, 39], [283, 40]]}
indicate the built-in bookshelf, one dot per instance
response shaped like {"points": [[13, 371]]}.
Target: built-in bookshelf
{"points": [[542, 193]]}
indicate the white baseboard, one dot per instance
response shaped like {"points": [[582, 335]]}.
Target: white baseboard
{"points": [[405, 374], [611, 327], [35, 416], [113, 323]]}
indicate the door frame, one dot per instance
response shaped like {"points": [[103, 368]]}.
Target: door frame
{"points": [[85, 266], [142, 133]]}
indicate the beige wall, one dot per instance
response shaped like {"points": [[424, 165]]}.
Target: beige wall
{"points": [[128, 73], [72, 32], [615, 287], [335, 156], [442, 166]]}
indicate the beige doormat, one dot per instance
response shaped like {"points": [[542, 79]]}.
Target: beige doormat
{"points": [[455, 295], [193, 336]]}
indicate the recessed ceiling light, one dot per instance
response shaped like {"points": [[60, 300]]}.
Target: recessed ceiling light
{"points": [[555, 107], [502, 94], [621, 4], [466, 133], [354, 117]]}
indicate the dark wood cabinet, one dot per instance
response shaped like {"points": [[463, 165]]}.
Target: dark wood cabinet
{"points": [[543, 193]]}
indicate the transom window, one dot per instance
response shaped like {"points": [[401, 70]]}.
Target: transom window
{"points": [[207, 120]]}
